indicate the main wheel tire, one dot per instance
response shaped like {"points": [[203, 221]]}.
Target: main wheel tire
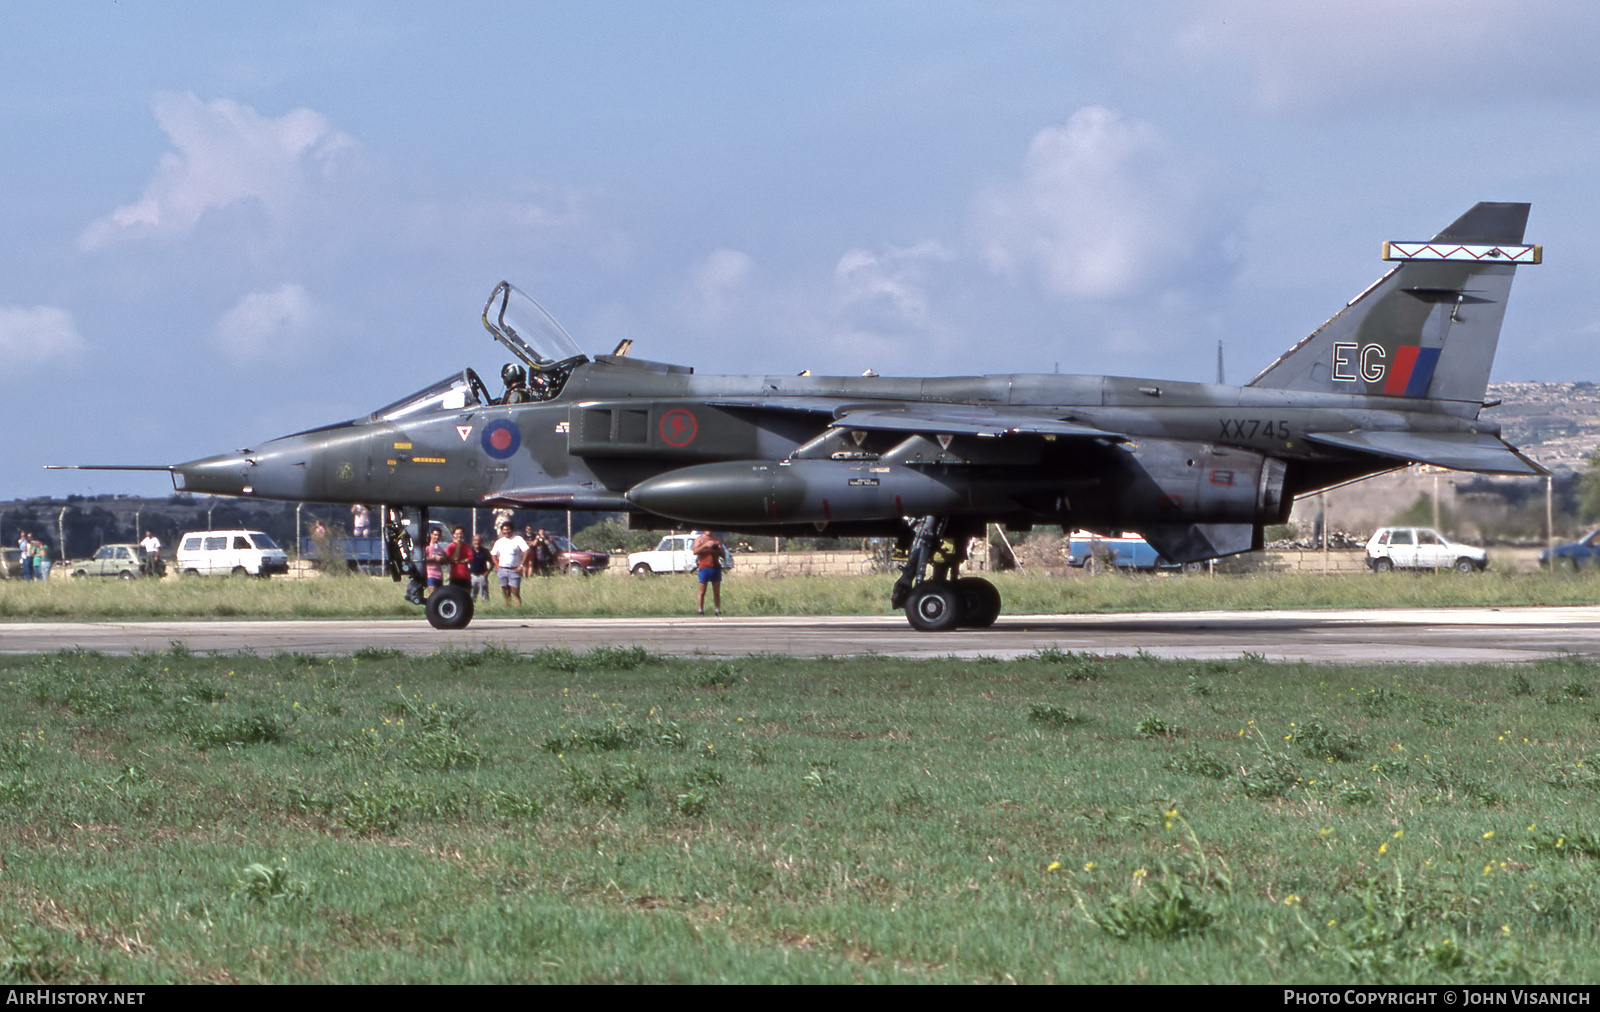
{"points": [[1093, 566], [980, 602], [1382, 566], [576, 569], [126, 574], [1466, 566], [643, 569], [79, 574], [240, 571], [450, 607], [191, 573], [934, 607]]}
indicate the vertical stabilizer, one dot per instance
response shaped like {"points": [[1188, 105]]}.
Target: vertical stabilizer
{"points": [[1426, 329]]}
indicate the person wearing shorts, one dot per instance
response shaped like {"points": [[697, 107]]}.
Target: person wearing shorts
{"points": [[433, 562], [508, 553], [708, 551]]}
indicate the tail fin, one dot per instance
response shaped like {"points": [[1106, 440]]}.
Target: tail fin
{"points": [[1426, 329]]}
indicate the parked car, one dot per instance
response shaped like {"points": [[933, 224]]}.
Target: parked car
{"points": [[1422, 548], [1583, 552], [225, 553], [574, 561], [126, 562], [673, 555], [1093, 552]]}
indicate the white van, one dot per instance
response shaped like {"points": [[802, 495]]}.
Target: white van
{"points": [[225, 553]]}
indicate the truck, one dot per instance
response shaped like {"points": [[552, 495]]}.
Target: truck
{"points": [[1095, 552]]}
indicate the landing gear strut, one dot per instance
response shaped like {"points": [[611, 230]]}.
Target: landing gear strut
{"points": [[945, 600], [449, 607]]}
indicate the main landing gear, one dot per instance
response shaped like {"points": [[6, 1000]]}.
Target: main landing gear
{"points": [[449, 606], [945, 600]]}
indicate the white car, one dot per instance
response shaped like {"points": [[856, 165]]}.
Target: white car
{"points": [[230, 553], [1422, 548], [673, 555]]}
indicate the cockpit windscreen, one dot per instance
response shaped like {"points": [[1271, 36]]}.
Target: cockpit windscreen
{"points": [[453, 393]]}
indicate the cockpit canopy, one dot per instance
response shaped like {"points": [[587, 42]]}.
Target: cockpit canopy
{"points": [[532, 334], [522, 325], [453, 393]]}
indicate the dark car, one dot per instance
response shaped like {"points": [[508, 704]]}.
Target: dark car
{"points": [[575, 561], [1583, 552]]}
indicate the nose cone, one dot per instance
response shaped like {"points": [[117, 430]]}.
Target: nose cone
{"points": [[278, 470], [224, 474]]}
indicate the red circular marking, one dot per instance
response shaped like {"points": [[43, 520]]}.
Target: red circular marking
{"points": [[678, 427], [500, 439]]}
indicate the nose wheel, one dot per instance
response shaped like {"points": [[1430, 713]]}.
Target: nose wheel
{"points": [[450, 607]]}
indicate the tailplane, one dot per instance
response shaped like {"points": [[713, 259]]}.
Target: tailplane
{"points": [[1429, 327]]}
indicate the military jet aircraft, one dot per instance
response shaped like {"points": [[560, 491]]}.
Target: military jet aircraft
{"points": [[1396, 376]]}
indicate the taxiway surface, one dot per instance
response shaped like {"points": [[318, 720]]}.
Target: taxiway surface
{"points": [[1419, 635]]}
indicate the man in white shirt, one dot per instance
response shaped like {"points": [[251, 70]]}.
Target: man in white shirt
{"points": [[508, 552], [152, 552]]}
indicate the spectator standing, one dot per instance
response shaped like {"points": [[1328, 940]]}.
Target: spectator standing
{"points": [[480, 568], [25, 554], [508, 554], [152, 552], [360, 521], [708, 551], [41, 559], [433, 560], [460, 555]]}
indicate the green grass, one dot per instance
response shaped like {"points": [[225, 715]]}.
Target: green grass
{"points": [[613, 596], [613, 816]]}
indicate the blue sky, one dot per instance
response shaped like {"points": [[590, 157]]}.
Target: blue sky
{"points": [[219, 225]]}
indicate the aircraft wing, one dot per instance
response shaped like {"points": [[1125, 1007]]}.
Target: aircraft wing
{"points": [[1459, 451], [965, 420]]}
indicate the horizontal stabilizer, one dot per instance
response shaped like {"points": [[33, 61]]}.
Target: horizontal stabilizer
{"points": [[1459, 451], [956, 420]]}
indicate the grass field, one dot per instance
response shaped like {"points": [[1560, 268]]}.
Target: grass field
{"points": [[613, 816], [815, 595]]}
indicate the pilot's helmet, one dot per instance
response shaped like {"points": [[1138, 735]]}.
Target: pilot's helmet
{"points": [[513, 375]]}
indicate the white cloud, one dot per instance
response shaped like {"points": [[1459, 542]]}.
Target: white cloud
{"points": [[37, 334], [719, 279], [269, 324], [1107, 208], [226, 153], [894, 278]]}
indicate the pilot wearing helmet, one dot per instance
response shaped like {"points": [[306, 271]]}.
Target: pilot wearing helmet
{"points": [[516, 380]]}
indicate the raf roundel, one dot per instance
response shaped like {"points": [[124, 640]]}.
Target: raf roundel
{"points": [[501, 439]]}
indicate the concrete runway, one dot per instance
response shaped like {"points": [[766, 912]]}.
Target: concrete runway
{"points": [[1417, 635]]}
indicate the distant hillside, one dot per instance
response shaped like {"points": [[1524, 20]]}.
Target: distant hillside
{"points": [[1557, 424]]}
